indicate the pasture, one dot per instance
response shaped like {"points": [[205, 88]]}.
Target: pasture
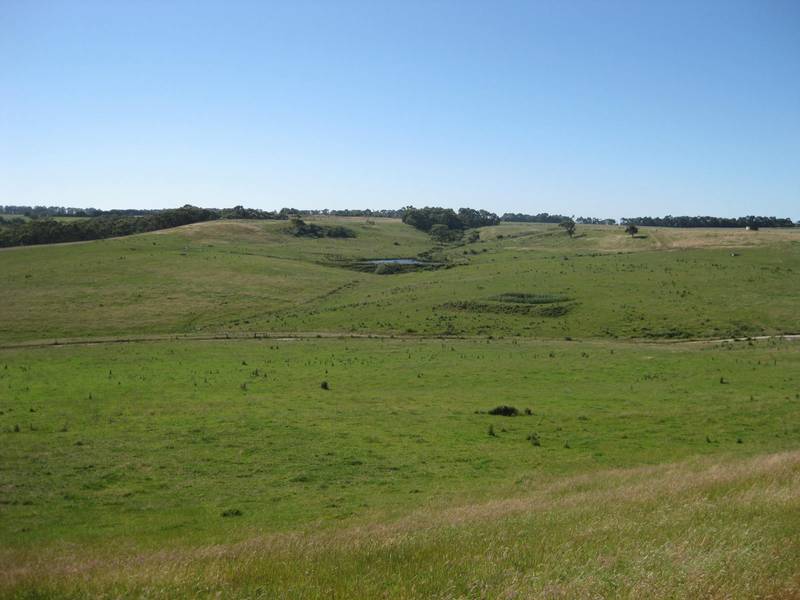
{"points": [[252, 276], [340, 443]]}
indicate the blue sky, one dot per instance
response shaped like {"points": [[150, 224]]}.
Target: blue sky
{"points": [[606, 109]]}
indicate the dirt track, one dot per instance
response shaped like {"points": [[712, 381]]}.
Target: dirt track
{"points": [[306, 335]]}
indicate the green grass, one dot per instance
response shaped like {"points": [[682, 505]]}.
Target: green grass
{"points": [[155, 440], [690, 530], [193, 468], [245, 276]]}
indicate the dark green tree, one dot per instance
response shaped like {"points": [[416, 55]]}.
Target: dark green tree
{"points": [[569, 226]]}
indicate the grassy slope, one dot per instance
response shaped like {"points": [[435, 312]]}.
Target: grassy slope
{"points": [[252, 276], [193, 278], [689, 530], [126, 455]]}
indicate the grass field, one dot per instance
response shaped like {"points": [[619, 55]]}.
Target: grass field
{"points": [[245, 276], [224, 468]]}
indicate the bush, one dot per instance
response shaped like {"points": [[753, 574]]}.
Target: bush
{"points": [[324, 385], [300, 228], [504, 411], [441, 233], [387, 268], [338, 231], [521, 298]]}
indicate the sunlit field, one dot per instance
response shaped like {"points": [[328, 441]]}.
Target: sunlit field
{"points": [[225, 409]]}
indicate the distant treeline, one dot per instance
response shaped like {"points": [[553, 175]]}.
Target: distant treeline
{"points": [[43, 212], [548, 218], [443, 224], [56, 211], [670, 221], [594, 221], [426, 218], [540, 218], [366, 212], [39, 230]]}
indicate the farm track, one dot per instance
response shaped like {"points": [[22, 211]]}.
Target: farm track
{"points": [[305, 335]]}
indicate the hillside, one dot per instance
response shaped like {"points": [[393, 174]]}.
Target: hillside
{"points": [[253, 276], [296, 421]]}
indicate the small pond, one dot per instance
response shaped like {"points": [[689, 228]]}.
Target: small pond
{"points": [[396, 261]]}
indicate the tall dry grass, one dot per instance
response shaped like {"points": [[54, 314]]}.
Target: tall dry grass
{"points": [[698, 529]]}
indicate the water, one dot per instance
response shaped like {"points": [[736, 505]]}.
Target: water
{"points": [[396, 261]]}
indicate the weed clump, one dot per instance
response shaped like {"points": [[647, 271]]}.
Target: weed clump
{"points": [[388, 269], [504, 411], [491, 431], [530, 298], [534, 439], [232, 512], [324, 385]]}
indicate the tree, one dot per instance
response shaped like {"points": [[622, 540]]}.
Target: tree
{"points": [[569, 226], [442, 234], [632, 230]]}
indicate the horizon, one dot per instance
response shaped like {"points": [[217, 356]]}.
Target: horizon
{"points": [[322, 211], [606, 111]]}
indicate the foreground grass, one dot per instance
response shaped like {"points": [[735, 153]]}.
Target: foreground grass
{"points": [[155, 441], [698, 529]]}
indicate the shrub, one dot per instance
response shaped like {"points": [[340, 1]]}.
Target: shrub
{"points": [[525, 298], [300, 228], [504, 411], [337, 231], [387, 268], [324, 385]]}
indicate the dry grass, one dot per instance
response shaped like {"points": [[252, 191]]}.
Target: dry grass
{"points": [[611, 238], [697, 529], [674, 238]]}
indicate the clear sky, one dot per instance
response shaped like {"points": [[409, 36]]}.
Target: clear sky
{"points": [[603, 108]]}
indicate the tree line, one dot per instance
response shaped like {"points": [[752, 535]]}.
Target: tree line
{"points": [[537, 218], [16, 232], [445, 224], [366, 212], [685, 221]]}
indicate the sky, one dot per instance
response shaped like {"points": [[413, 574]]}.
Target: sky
{"points": [[604, 109]]}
